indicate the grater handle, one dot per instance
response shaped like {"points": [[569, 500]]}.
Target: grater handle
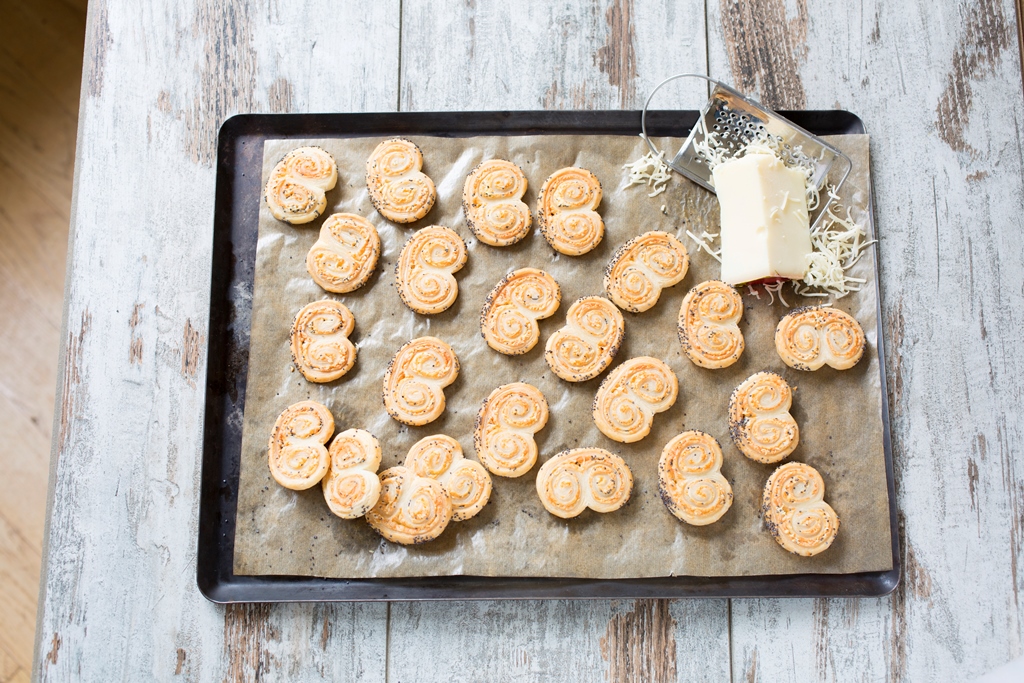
{"points": [[643, 114]]}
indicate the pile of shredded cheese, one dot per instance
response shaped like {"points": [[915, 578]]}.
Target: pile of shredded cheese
{"points": [[650, 170]]}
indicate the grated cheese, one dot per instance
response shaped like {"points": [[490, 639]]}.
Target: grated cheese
{"points": [[650, 170], [704, 243], [838, 244]]}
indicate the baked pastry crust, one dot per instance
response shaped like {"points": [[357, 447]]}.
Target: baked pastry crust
{"points": [[631, 395], [351, 487], [586, 346], [411, 509], [810, 337], [795, 510], [759, 420], [296, 190], [466, 481], [398, 188], [566, 215], [345, 255], [415, 380], [690, 479], [709, 325], [492, 200], [321, 349], [424, 272], [642, 267], [505, 426], [582, 478], [509, 317], [297, 455]]}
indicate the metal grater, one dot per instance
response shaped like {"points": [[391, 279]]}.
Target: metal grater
{"points": [[737, 120]]}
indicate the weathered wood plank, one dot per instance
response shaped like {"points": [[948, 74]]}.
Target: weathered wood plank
{"points": [[559, 56], [938, 86], [120, 549]]}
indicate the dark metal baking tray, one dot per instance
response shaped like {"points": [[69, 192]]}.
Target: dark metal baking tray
{"points": [[236, 212]]}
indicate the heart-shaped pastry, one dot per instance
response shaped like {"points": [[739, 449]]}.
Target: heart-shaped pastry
{"points": [[759, 419], [321, 349], [593, 332], [345, 255], [795, 510], [810, 337], [708, 325], [644, 266], [631, 395], [398, 188], [690, 479], [296, 190], [567, 217], [351, 487], [492, 200], [509, 317], [425, 271], [297, 455], [582, 478], [505, 426], [466, 481], [411, 509], [415, 380]]}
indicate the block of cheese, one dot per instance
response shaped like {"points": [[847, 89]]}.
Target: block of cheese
{"points": [[765, 224]]}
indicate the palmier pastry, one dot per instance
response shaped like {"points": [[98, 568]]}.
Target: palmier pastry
{"points": [[505, 426], [424, 273], [398, 188], [415, 380], [642, 267], [567, 217], [690, 479], [795, 510], [708, 325], [509, 318], [345, 255], [351, 486], [493, 203], [295, 192], [466, 481], [298, 456], [582, 478], [631, 395], [411, 509], [589, 341], [321, 349], [759, 419], [810, 337]]}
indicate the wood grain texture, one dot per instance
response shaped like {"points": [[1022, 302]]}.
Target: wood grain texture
{"points": [[120, 549], [939, 89]]}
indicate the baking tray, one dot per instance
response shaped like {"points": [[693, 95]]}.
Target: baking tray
{"points": [[236, 218]]}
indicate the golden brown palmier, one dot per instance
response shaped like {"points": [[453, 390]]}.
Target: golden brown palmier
{"points": [[582, 478], [425, 270], [415, 380], [398, 188], [466, 481], [296, 190], [411, 509], [708, 325], [321, 349], [509, 317], [690, 479], [795, 510], [297, 455], [351, 487], [567, 215], [593, 332], [810, 337], [345, 255], [492, 200], [644, 266], [631, 395], [759, 419]]}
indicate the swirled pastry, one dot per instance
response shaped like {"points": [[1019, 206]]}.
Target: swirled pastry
{"points": [[708, 325], [593, 332], [810, 337], [492, 200], [759, 419], [505, 426], [415, 380], [642, 267], [321, 349], [296, 190], [424, 272], [298, 457], [509, 318], [582, 478], [411, 508], [398, 188], [466, 481], [631, 395], [351, 487], [690, 479], [795, 510], [345, 255], [567, 217]]}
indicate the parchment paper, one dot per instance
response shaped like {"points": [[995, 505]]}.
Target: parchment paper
{"points": [[280, 531]]}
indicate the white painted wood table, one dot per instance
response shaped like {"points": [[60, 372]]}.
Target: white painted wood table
{"points": [[938, 86]]}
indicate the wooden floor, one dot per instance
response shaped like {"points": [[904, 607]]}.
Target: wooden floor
{"points": [[40, 75]]}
